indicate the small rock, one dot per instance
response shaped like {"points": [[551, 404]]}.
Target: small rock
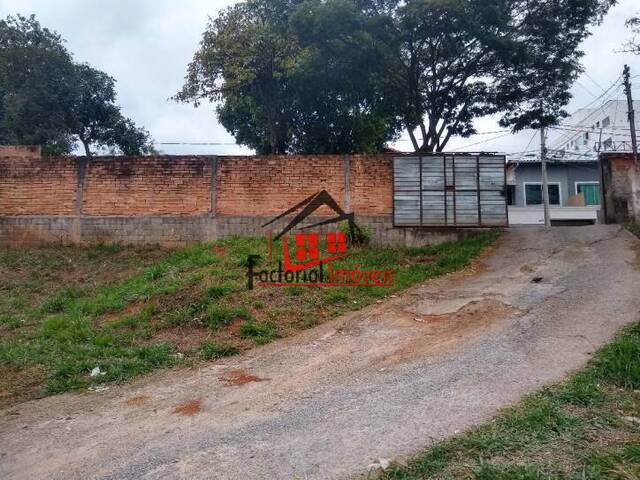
{"points": [[97, 372], [380, 464], [634, 420], [98, 389]]}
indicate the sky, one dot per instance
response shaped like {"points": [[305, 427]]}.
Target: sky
{"points": [[147, 44]]}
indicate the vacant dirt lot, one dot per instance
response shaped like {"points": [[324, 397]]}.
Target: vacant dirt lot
{"points": [[373, 384]]}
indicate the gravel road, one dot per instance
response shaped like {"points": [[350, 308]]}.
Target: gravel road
{"points": [[377, 384]]}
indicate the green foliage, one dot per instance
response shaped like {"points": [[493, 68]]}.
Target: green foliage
{"points": [[620, 361], [344, 76], [47, 99], [10, 322], [361, 234], [97, 120], [284, 92], [634, 228], [131, 307], [218, 316], [210, 351], [261, 333], [36, 73]]}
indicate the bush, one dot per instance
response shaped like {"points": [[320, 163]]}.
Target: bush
{"points": [[361, 234]]}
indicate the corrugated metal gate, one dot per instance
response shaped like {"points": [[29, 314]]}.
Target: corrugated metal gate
{"points": [[450, 190]]}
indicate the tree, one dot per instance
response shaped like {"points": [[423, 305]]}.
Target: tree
{"points": [[97, 120], [292, 76], [634, 44], [462, 59], [331, 76], [343, 100], [242, 65], [47, 99], [35, 81]]}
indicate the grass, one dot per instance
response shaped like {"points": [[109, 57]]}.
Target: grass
{"points": [[587, 428], [65, 311]]}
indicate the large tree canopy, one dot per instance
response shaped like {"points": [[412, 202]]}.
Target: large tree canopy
{"points": [[324, 76], [47, 99]]}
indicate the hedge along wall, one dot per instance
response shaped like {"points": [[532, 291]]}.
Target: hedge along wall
{"points": [[178, 200]]}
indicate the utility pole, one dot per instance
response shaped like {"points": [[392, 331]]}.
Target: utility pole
{"points": [[545, 179], [632, 115]]}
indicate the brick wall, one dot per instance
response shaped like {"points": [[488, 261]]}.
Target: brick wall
{"points": [[272, 185], [182, 185], [34, 186], [20, 151], [147, 186], [179, 200], [371, 184]]}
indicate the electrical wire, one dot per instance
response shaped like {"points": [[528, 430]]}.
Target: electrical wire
{"points": [[593, 81], [484, 141]]}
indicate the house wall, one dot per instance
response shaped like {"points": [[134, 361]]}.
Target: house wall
{"points": [[179, 200], [566, 174]]}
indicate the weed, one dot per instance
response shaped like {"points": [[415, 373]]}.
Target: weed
{"points": [[210, 351], [260, 333]]}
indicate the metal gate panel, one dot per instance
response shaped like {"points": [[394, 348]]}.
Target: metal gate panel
{"points": [[406, 198], [450, 190]]}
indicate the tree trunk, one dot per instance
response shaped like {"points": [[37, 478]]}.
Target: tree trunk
{"points": [[87, 152]]}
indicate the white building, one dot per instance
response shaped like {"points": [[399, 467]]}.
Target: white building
{"points": [[592, 130]]}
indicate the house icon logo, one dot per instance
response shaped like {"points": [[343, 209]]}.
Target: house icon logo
{"points": [[308, 244], [311, 264]]}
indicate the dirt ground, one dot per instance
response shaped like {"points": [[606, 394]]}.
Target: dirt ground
{"points": [[380, 383]]}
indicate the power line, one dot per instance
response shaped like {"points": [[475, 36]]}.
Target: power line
{"points": [[485, 141], [593, 81], [585, 89]]}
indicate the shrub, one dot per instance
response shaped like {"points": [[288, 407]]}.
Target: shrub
{"points": [[361, 235]]}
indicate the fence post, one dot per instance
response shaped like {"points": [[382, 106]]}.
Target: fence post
{"points": [[346, 165], [214, 189], [81, 175]]}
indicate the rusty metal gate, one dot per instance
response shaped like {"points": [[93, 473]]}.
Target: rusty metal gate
{"points": [[452, 190]]}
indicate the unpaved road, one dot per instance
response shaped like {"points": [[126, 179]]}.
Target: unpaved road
{"points": [[380, 383]]}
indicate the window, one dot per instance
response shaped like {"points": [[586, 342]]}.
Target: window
{"points": [[591, 192], [606, 122], [533, 194]]}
